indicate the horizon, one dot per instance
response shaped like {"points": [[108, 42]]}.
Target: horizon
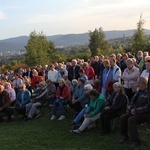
{"points": [[20, 18], [66, 34]]}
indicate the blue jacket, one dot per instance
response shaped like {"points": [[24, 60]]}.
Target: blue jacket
{"points": [[81, 96], [25, 99]]}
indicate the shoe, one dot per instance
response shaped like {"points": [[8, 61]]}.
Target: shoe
{"points": [[135, 145], [61, 118], [77, 131], [27, 119], [39, 114], [53, 117], [123, 139]]}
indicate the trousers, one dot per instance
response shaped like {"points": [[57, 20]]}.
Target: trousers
{"points": [[130, 122], [87, 123]]}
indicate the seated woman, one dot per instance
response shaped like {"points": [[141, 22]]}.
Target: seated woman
{"points": [[97, 103], [40, 98], [23, 98], [116, 106], [73, 86], [51, 91], [11, 92], [63, 95]]}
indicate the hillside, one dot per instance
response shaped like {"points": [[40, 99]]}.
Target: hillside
{"points": [[18, 43]]}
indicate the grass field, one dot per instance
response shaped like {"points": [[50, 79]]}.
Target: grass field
{"points": [[43, 134]]}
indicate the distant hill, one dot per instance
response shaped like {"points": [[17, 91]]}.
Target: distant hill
{"points": [[18, 43]]}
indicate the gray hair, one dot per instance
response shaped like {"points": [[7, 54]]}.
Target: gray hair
{"points": [[88, 86]]}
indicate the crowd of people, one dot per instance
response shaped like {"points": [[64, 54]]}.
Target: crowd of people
{"points": [[101, 88]]}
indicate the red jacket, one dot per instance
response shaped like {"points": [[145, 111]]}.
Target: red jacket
{"points": [[89, 71], [66, 94], [34, 80]]}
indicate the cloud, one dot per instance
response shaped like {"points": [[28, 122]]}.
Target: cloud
{"points": [[2, 15]]}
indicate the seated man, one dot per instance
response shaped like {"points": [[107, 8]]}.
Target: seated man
{"points": [[97, 103], [23, 98], [40, 98], [79, 98], [115, 106], [80, 116], [5, 103], [139, 112]]}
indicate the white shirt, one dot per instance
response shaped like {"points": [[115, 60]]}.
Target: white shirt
{"points": [[17, 82], [12, 94], [53, 75], [145, 73]]}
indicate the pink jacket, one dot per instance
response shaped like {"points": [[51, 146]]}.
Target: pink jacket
{"points": [[130, 77]]}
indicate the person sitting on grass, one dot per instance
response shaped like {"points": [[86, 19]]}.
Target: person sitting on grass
{"points": [[63, 95], [97, 103], [5, 103], [23, 98], [40, 98]]}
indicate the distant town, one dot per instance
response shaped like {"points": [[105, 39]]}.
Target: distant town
{"points": [[12, 53]]}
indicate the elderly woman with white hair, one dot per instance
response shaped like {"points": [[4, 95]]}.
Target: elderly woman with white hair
{"points": [[115, 106], [130, 77], [97, 103]]}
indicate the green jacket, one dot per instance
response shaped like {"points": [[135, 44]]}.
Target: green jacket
{"points": [[96, 106]]}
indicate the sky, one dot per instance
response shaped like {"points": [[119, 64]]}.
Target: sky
{"points": [[21, 17]]}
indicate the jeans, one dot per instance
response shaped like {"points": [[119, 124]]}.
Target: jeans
{"points": [[80, 115], [61, 104]]}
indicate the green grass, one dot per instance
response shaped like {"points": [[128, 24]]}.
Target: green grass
{"points": [[43, 134]]}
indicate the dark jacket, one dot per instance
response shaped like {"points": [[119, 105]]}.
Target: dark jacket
{"points": [[5, 99], [70, 72], [141, 102], [41, 95], [120, 103]]}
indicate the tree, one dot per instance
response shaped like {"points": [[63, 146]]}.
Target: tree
{"points": [[139, 40], [38, 49], [97, 43]]}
